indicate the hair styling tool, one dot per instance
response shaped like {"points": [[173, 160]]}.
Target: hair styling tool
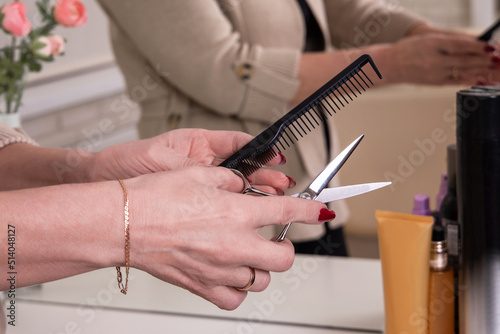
{"points": [[298, 122]]}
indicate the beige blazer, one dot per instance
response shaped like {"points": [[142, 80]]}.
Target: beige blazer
{"points": [[232, 65]]}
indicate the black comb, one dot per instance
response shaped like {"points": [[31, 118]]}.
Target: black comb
{"points": [[491, 34], [333, 95]]}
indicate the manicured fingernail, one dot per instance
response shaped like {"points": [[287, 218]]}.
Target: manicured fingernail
{"points": [[489, 48], [481, 82], [325, 215], [249, 181], [291, 182], [495, 60], [279, 191], [283, 159]]}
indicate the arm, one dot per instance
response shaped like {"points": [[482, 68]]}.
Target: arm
{"points": [[32, 166], [182, 224], [358, 23], [405, 49], [199, 52]]}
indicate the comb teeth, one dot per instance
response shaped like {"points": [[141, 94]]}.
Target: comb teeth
{"points": [[495, 37], [249, 166], [491, 34], [331, 101], [305, 117]]}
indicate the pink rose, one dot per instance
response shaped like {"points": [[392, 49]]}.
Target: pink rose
{"points": [[15, 20], [44, 51], [54, 45], [57, 44], [70, 13]]}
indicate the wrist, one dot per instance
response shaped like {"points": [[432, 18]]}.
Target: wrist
{"points": [[85, 167], [386, 58], [110, 242], [423, 28]]}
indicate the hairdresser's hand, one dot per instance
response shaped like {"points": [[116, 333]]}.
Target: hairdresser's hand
{"points": [[192, 228], [442, 58], [176, 149]]}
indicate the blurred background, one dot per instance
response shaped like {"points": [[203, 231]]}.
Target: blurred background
{"points": [[79, 101]]}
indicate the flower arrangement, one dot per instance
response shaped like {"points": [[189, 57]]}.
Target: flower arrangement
{"points": [[30, 46]]}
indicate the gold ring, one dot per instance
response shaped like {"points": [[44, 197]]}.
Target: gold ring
{"points": [[250, 282], [455, 73]]}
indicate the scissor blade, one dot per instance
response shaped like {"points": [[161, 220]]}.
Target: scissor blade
{"points": [[321, 181], [334, 194]]}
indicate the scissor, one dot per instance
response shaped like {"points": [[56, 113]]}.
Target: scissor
{"points": [[316, 189]]}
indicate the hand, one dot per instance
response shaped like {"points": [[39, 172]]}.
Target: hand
{"points": [[442, 58], [198, 232], [176, 149]]}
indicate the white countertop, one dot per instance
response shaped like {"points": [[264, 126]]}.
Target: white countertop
{"points": [[318, 295]]}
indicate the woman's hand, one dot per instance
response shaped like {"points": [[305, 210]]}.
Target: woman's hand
{"points": [[427, 55], [176, 149], [191, 227], [442, 59]]}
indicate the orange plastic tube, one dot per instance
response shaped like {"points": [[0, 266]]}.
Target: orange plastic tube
{"points": [[404, 242]]}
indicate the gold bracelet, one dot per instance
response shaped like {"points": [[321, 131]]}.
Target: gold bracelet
{"points": [[123, 288]]}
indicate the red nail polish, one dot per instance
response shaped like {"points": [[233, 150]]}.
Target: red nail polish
{"points": [[249, 181], [280, 192], [291, 182], [489, 48], [481, 82], [495, 60], [283, 159], [325, 215]]}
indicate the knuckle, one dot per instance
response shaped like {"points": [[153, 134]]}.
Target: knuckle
{"points": [[282, 181], [286, 260], [285, 212], [232, 301], [265, 280]]}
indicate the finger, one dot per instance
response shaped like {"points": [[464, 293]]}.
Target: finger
{"points": [[273, 178], [222, 178], [262, 280], [225, 143], [462, 45], [282, 210], [225, 297], [226, 179], [471, 76], [255, 280], [483, 62], [228, 297], [267, 255]]}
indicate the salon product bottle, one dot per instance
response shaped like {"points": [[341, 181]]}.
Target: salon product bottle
{"points": [[443, 190], [478, 193], [441, 290], [449, 220], [421, 205], [449, 209]]}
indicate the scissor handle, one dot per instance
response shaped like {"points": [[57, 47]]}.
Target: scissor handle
{"points": [[282, 234], [248, 188]]}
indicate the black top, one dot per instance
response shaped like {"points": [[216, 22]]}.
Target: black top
{"points": [[314, 37]]}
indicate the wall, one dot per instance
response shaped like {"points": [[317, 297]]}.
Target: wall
{"points": [[68, 103], [72, 95], [79, 101], [407, 129], [453, 13]]}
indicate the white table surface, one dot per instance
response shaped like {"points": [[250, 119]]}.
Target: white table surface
{"points": [[318, 295]]}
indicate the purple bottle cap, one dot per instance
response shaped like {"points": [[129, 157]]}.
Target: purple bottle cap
{"points": [[421, 205]]}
